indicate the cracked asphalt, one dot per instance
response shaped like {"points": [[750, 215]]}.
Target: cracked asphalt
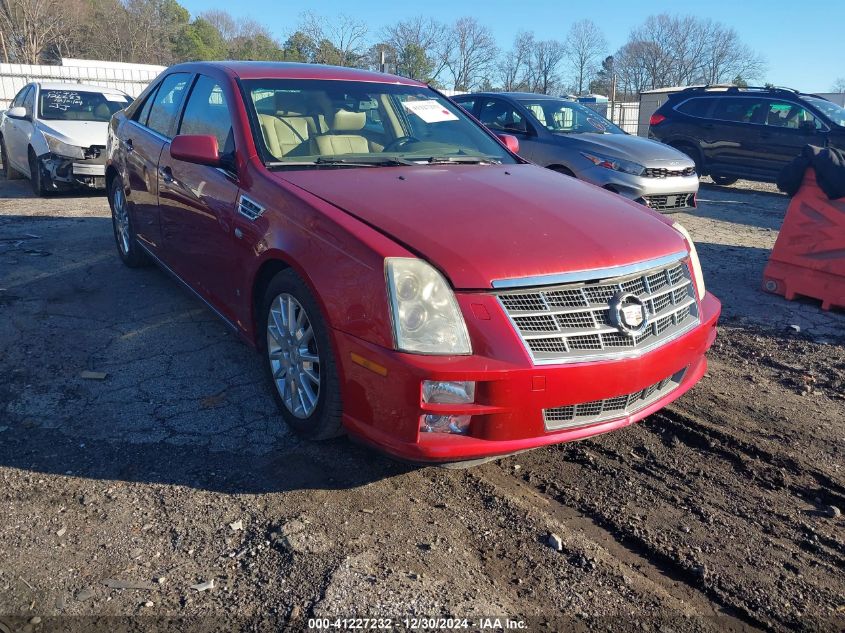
{"points": [[123, 493]]}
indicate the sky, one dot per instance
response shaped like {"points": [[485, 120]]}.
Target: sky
{"points": [[801, 42]]}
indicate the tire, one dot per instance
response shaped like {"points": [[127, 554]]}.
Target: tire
{"points": [[314, 416], [9, 172], [693, 153], [563, 170], [124, 232], [36, 177], [723, 180]]}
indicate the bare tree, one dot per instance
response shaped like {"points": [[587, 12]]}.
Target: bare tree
{"points": [[414, 44], [547, 58], [677, 51], [585, 47], [223, 21], [33, 30], [341, 40], [514, 69], [838, 85], [469, 51]]}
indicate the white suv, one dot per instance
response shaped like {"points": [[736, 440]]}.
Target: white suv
{"points": [[55, 133]]}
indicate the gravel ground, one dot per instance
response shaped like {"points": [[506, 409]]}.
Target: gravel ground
{"points": [[125, 496]]}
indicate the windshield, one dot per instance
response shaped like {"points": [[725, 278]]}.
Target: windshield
{"points": [[318, 123], [568, 117], [833, 112], [76, 105]]}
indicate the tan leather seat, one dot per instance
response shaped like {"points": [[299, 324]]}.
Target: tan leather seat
{"points": [[285, 136], [340, 140], [301, 104]]}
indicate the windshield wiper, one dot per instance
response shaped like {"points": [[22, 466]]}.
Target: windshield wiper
{"points": [[469, 160], [329, 161]]}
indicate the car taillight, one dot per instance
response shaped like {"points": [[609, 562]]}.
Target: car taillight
{"points": [[656, 119]]}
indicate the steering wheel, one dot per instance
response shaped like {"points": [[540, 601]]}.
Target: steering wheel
{"points": [[400, 143]]}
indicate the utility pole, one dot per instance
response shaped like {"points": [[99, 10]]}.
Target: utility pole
{"points": [[609, 63], [383, 63]]}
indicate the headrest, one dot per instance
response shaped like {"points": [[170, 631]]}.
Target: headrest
{"points": [[346, 121], [292, 104]]}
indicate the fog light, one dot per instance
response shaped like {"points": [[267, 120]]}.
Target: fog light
{"points": [[448, 391], [445, 424]]}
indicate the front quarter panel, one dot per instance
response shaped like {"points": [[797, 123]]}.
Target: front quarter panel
{"points": [[340, 258]]}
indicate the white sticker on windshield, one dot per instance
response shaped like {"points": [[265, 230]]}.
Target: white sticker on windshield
{"points": [[429, 111], [115, 98]]}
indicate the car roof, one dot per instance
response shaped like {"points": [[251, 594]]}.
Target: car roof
{"points": [[735, 91], [295, 70], [70, 85]]}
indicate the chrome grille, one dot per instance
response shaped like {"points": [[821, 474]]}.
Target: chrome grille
{"points": [[670, 201], [578, 415], [662, 172], [572, 322]]}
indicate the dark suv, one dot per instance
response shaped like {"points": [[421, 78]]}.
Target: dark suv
{"points": [[751, 133]]}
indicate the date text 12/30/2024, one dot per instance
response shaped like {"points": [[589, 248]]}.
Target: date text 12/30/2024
{"points": [[416, 624]]}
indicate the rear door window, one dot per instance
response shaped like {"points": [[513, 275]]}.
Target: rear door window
{"points": [[502, 117], [739, 110], [467, 104], [208, 113], [695, 107], [166, 104]]}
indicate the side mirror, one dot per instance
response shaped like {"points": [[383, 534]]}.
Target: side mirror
{"points": [[807, 126], [510, 141], [17, 113], [196, 148]]}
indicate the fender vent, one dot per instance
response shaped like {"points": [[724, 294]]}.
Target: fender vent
{"points": [[249, 208]]}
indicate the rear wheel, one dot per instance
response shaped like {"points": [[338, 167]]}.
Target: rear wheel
{"points": [[9, 172], [723, 180], [299, 360], [124, 233]]}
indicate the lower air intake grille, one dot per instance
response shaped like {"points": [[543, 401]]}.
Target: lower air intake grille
{"points": [[587, 413], [670, 201]]}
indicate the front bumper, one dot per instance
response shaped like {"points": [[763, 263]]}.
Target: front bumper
{"points": [[382, 401], [643, 189], [62, 172]]}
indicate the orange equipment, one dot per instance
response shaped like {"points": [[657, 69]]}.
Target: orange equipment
{"points": [[809, 255]]}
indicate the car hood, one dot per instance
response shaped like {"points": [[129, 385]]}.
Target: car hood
{"points": [[478, 224], [79, 133], [628, 147]]}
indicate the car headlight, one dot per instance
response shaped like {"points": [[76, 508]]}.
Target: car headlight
{"points": [[60, 148], [616, 164], [426, 316], [693, 257]]}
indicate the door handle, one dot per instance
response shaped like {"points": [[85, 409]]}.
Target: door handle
{"points": [[129, 146], [166, 175]]}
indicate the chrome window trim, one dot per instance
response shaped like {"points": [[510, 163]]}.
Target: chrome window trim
{"points": [[806, 106], [590, 274], [149, 130]]}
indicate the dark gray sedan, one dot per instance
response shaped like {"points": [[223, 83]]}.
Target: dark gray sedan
{"points": [[574, 140]]}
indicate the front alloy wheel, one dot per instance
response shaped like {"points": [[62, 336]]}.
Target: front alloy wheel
{"points": [[299, 358], [293, 355]]}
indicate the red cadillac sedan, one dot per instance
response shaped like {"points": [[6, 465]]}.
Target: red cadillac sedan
{"points": [[406, 277]]}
